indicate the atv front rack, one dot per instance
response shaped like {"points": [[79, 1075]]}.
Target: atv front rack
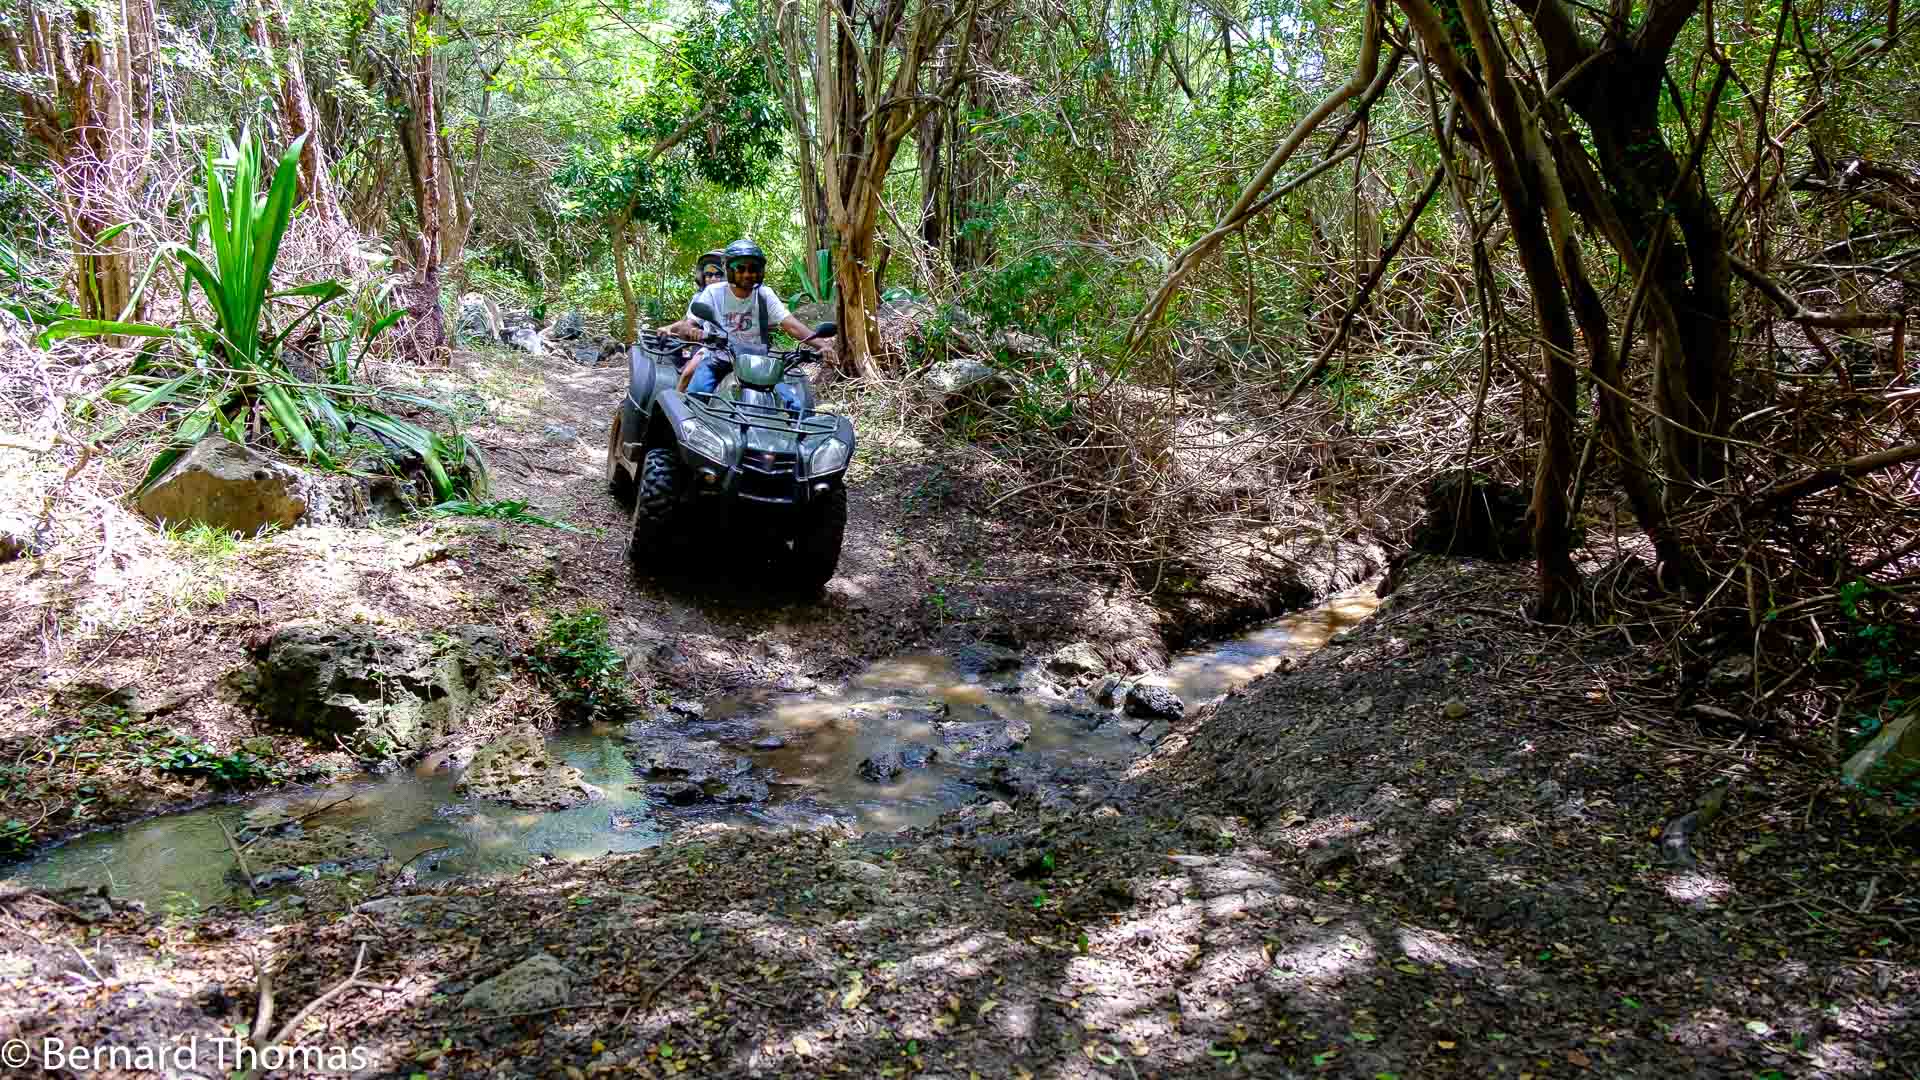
{"points": [[770, 417]]}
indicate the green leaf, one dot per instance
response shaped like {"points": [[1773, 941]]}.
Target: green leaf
{"points": [[67, 328]]}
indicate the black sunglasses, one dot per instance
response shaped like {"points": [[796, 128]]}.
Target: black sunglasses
{"points": [[713, 273]]}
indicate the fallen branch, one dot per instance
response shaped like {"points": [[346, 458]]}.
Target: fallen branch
{"points": [[234, 846], [263, 1014], [1810, 483], [1793, 311]]}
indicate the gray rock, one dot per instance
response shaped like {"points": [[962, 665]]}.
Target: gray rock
{"points": [[1073, 660], [517, 770], [276, 860], [1148, 701], [587, 353], [888, 765], [961, 383], [1897, 746], [380, 694], [538, 982], [1154, 732], [985, 658], [560, 434], [1110, 691], [230, 487], [676, 794], [527, 340], [664, 755], [569, 325], [479, 320]]}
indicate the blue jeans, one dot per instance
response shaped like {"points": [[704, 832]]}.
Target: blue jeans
{"points": [[706, 378], [708, 372]]}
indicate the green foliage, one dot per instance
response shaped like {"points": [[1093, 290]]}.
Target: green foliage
{"points": [[110, 733], [188, 758], [223, 372], [817, 285], [719, 86], [499, 510], [30, 297], [577, 663], [16, 838]]}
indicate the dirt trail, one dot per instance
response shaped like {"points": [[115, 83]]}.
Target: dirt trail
{"points": [[1428, 850], [1293, 885]]}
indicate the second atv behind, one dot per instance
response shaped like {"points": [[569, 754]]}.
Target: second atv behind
{"points": [[753, 462]]}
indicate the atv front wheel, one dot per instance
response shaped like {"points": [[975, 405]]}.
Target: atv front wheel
{"points": [[661, 477], [619, 477], [816, 548]]}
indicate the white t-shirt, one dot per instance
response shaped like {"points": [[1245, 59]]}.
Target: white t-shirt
{"points": [[739, 318]]}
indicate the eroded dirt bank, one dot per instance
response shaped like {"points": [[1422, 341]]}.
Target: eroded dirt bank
{"points": [[1427, 850]]}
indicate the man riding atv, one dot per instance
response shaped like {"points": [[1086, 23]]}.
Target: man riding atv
{"points": [[748, 312]]}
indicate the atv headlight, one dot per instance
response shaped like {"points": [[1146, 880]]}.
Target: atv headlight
{"points": [[705, 441], [827, 457]]}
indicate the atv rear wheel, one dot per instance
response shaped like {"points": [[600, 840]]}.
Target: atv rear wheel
{"points": [[619, 477], [816, 547], [661, 477]]}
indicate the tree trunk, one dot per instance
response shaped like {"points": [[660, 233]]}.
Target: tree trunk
{"points": [[1509, 143], [87, 96], [297, 117], [420, 137], [628, 305], [863, 123]]}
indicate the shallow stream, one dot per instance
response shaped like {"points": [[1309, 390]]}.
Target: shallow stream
{"points": [[808, 748]]}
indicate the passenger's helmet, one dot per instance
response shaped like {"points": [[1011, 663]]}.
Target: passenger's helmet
{"points": [[744, 253], [712, 263]]}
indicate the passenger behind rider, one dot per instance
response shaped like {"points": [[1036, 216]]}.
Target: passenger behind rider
{"points": [[710, 268], [742, 303]]}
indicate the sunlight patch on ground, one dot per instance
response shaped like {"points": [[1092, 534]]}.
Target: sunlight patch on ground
{"points": [[1437, 949], [969, 958], [1698, 887], [1322, 960]]}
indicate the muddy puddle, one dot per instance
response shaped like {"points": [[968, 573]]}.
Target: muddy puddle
{"points": [[901, 743]]}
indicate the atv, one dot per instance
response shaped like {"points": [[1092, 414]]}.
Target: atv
{"points": [[740, 461]]}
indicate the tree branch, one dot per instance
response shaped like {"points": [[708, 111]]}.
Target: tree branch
{"points": [[1792, 311]]}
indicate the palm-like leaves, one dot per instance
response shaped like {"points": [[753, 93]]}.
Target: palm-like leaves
{"points": [[238, 361]]}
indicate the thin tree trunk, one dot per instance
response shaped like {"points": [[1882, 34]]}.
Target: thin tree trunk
{"points": [[629, 306], [297, 116], [420, 135], [86, 95]]}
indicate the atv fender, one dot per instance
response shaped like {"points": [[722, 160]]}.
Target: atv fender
{"points": [[641, 375], [669, 411]]}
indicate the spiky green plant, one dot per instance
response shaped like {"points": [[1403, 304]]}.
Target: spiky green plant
{"points": [[224, 365]]}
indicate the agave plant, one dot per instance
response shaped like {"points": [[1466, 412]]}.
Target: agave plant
{"points": [[226, 364], [817, 284]]}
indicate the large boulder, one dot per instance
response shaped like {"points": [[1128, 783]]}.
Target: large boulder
{"points": [[479, 320], [570, 325], [1151, 702], [516, 769], [229, 486], [380, 695]]}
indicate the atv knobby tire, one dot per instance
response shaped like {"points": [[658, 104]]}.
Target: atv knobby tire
{"points": [[619, 479], [654, 505], [816, 547]]}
